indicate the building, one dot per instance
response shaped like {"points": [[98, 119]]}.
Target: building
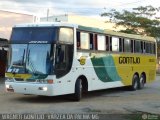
{"points": [[82, 20], [10, 18], [7, 21]]}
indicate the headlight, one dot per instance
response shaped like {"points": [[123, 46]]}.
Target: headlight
{"points": [[7, 86]]}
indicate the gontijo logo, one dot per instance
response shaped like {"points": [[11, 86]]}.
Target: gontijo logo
{"points": [[82, 60], [129, 60]]}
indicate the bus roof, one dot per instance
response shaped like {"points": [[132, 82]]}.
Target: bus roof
{"points": [[130, 36], [89, 29], [46, 24]]}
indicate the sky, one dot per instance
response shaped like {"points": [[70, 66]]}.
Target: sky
{"points": [[39, 8], [77, 7]]}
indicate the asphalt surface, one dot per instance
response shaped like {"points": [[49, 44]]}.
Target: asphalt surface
{"points": [[110, 101]]}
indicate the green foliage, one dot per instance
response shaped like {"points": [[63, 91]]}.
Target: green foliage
{"points": [[141, 20]]}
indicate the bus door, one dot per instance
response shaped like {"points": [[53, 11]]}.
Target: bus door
{"points": [[64, 59]]}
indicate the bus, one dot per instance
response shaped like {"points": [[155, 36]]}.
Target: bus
{"points": [[52, 59]]}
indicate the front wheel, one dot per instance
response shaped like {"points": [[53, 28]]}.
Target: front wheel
{"points": [[78, 90]]}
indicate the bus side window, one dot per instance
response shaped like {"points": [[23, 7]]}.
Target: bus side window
{"points": [[110, 38], [78, 40], [60, 59], [101, 42], [64, 59], [152, 48], [115, 44], [121, 44], [132, 46], [95, 42], [144, 47], [137, 46], [84, 41], [107, 43], [91, 41], [148, 47], [127, 45]]}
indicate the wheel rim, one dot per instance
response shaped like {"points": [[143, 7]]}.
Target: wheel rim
{"points": [[80, 86], [78, 90], [135, 84], [142, 82]]}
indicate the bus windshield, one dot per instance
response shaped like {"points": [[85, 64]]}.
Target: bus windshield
{"points": [[34, 35], [31, 59]]}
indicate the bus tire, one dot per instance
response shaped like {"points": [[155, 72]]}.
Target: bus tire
{"points": [[134, 85], [78, 90], [141, 82]]}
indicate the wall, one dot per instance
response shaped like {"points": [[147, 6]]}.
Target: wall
{"points": [[9, 19]]}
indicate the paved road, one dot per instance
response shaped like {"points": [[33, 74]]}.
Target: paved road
{"points": [[112, 101]]}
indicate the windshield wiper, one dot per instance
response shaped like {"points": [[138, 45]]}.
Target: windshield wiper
{"points": [[30, 64], [23, 57]]}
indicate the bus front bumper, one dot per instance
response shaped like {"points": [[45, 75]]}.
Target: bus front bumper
{"points": [[30, 88]]}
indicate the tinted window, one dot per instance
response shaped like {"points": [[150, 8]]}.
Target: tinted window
{"points": [[84, 40], [64, 58], [127, 45], [91, 41], [78, 40], [31, 58], [66, 35], [152, 48], [34, 35], [115, 44], [101, 42], [107, 43], [148, 47], [137, 47], [121, 41]]}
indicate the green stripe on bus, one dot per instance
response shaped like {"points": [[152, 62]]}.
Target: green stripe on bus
{"points": [[105, 69]]}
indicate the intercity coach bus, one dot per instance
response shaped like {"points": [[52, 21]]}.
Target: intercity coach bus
{"points": [[53, 59]]}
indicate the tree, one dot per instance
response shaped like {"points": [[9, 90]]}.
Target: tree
{"points": [[141, 20]]}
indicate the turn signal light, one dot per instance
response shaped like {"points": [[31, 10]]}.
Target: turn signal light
{"points": [[50, 81]]}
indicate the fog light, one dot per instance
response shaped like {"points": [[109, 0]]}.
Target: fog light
{"points": [[45, 88], [8, 86]]}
